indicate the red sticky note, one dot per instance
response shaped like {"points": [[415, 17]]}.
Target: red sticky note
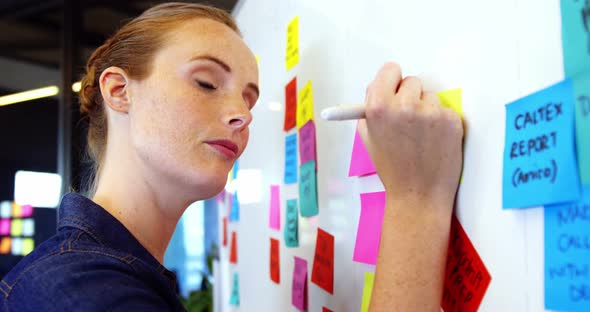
{"points": [[233, 253], [291, 104], [224, 231], [307, 145], [275, 208], [324, 309], [368, 234], [360, 161], [299, 286], [275, 269], [322, 273], [466, 277]]}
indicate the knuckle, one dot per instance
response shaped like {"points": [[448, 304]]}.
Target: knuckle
{"points": [[430, 99]]}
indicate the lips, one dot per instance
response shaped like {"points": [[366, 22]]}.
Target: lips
{"points": [[225, 147]]}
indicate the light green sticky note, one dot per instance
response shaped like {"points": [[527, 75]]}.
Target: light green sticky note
{"points": [[367, 291], [582, 99], [28, 246], [16, 229]]}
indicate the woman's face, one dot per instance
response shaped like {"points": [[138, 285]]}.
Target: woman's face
{"points": [[189, 118]]}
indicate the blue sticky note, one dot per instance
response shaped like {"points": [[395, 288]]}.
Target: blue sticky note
{"points": [[567, 255], [575, 34], [292, 224], [308, 193], [291, 159], [235, 208], [582, 98], [235, 292], [235, 169], [539, 155]]}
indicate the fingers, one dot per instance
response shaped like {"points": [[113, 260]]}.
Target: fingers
{"points": [[410, 91], [381, 92]]}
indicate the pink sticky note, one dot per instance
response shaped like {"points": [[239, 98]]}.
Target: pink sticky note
{"points": [[368, 235], [26, 211], [307, 146], [299, 294], [275, 208], [5, 227], [360, 162]]}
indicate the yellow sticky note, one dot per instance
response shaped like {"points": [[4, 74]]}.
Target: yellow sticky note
{"points": [[5, 245], [305, 105], [367, 291], [28, 246], [16, 229], [257, 59], [16, 210], [292, 55], [452, 99]]}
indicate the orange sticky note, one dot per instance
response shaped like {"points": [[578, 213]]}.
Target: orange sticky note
{"points": [[322, 273], [275, 270], [233, 254], [16, 210], [5, 245]]}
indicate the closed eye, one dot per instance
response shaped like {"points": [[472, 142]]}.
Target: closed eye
{"points": [[206, 85]]}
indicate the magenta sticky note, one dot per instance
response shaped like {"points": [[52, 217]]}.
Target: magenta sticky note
{"points": [[26, 211], [275, 208], [299, 287], [307, 145], [368, 234], [360, 162], [4, 226]]}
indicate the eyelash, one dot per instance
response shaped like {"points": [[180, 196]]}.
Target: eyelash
{"points": [[206, 85]]}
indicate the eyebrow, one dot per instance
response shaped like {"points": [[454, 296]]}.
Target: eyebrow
{"points": [[225, 67]]}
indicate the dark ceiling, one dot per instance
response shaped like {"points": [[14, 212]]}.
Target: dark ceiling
{"points": [[30, 30]]}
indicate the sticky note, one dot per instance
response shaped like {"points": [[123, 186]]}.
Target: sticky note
{"points": [[575, 35], [5, 227], [26, 211], [233, 253], [582, 103], [360, 161], [16, 229], [567, 255], [305, 105], [291, 159], [275, 208], [324, 309], [292, 55], [275, 267], [224, 231], [308, 194], [28, 227], [367, 291], [539, 156], [28, 246], [17, 246], [16, 210], [322, 273], [307, 145], [452, 99], [466, 277], [290, 104], [235, 292], [292, 224], [5, 245], [235, 208], [368, 234], [299, 286], [5, 209]]}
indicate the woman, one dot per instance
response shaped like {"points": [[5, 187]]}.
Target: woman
{"points": [[168, 99]]}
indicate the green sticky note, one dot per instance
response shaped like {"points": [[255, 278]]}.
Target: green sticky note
{"points": [[16, 229], [28, 246], [308, 193], [367, 291], [575, 35], [292, 224], [582, 100]]}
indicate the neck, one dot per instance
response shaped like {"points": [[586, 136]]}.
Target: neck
{"points": [[147, 207]]}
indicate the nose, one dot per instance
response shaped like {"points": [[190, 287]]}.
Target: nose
{"points": [[239, 116]]}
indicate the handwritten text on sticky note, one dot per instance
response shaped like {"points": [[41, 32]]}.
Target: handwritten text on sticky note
{"points": [[305, 105], [292, 55], [322, 273], [567, 255], [275, 268], [291, 159], [575, 35], [582, 100], [299, 286], [307, 144], [368, 234], [292, 224], [308, 194], [290, 104]]}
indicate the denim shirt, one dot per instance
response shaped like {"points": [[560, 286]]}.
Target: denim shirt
{"points": [[93, 263]]}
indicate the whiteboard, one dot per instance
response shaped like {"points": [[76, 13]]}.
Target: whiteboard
{"points": [[496, 51]]}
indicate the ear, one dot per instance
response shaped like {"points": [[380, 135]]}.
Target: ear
{"points": [[114, 87]]}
